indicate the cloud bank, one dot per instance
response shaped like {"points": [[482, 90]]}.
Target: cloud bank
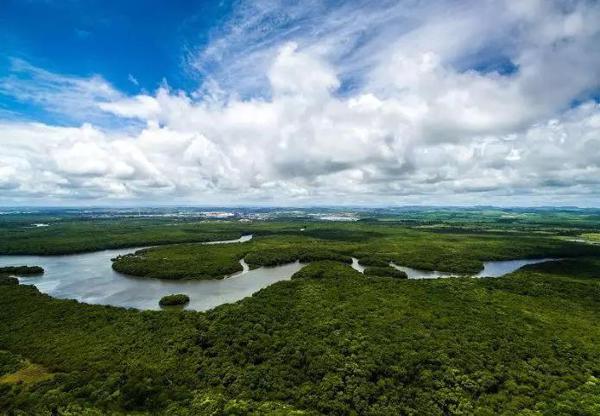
{"points": [[403, 103]]}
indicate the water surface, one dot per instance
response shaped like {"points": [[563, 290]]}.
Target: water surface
{"points": [[357, 266], [242, 239], [490, 268], [89, 278]]}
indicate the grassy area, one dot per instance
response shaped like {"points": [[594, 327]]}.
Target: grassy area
{"points": [[593, 237], [28, 374]]}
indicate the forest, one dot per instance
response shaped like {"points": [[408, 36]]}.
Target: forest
{"points": [[374, 245], [330, 341]]}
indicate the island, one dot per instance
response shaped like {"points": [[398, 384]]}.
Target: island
{"points": [[174, 300], [385, 272]]}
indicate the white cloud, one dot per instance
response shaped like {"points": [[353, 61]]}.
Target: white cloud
{"points": [[299, 74], [72, 97], [417, 127], [141, 106]]}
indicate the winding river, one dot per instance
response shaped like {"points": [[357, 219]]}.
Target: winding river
{"points": [[89, 278], [490, 268]]}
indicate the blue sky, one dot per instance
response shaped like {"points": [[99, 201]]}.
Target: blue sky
{"points": [[134, 45], [146, 39], [279, 102]]}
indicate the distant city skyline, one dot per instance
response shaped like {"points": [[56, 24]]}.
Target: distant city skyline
{"points": [[279, 103]]}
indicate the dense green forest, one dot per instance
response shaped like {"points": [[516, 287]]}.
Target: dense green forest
{"points": [[373, 245], [331, 341], [71, 231]]}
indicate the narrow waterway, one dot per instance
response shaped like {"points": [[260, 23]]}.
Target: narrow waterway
{"points": [[490, 268]]}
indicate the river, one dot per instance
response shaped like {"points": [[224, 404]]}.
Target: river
{"points": [[490, 268], [89, 278]]}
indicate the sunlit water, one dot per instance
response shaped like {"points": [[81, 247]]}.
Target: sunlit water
{"points": [[89, 278], [490, 269]]}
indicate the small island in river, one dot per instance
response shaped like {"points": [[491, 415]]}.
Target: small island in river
{"points": [[174, 300]]}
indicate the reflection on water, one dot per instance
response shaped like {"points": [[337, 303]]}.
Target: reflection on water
{"points": [[490, 269], [500, 268], [421, 274], [90, 278]]}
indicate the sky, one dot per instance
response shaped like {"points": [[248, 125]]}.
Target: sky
{"points": [[438, 102]]}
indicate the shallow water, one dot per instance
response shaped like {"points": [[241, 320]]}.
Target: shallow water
{"points": [[89, 278]]}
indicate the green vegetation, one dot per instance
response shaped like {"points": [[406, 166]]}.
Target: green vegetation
{"points": [[27, 374], [22, 270], [331, 341], [8, 280], [75, 232], [374, 245], [385, 271], [592, 237], [7, 273], [185, 261], [9, 363], [200, 261], [509, 220], [174, 300], [73, 236]]}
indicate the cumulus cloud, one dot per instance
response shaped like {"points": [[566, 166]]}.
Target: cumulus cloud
{"points": [[407, 105]]}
